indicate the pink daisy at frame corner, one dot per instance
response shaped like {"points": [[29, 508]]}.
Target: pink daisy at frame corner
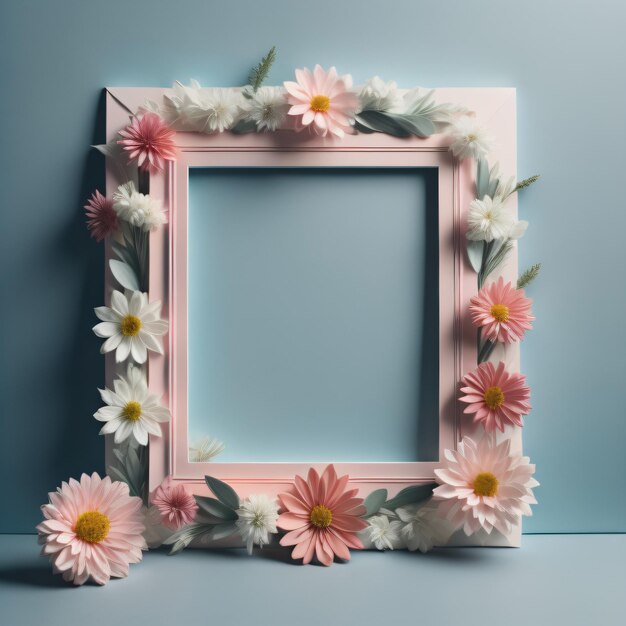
{"points": [[495, 397], [149, 141], [177, 508], [101, 216], [322, 101], [321, 517], [501, 311], [92, 529]]}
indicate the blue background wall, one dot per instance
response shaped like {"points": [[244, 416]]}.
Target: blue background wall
{"points": [[566, 60]]}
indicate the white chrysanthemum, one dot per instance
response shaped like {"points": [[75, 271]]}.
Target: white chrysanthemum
{"points": [[422, 528], [488, 219], [137, 208], [484, 486], [257, 520], [130, 326], [377, 95], [204, 450], [384, 534], [469, 139], [203, 110], [268, 108], [131, 409]]}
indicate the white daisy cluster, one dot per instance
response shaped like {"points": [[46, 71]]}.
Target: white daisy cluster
{"points": [[256, 520]]}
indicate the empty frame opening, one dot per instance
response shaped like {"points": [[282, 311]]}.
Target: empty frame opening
{"points": [[313, 313]]}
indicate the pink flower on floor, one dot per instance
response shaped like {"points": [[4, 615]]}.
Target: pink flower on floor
{"points": [[484, 486], [496, 397], [149, 141], [322, 101], [321, 517], [102, 218], [177, 507], [501, 311], [92, 529]]}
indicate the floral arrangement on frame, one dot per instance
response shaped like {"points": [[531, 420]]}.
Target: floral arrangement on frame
{"points": [[94, 528]]}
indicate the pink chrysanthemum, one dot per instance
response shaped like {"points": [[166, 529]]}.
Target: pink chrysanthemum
{"points": [[102, 218], [177, 507], [92, 529], [149, 141], [495, 396], [483, 486], [501, 311], [322, 517], [322, 101]]}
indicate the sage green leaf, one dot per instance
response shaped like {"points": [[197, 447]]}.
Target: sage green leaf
{"points": [[216, 508], [411, 495], [419, 125], [244, 126], [183, 537], [220, 531], [374, 501], [224, 493], [124, 274], [475, 254], [381, 122], [482, 179]]}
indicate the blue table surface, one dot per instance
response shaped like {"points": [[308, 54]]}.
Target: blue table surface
{"points": [[553, 580]]}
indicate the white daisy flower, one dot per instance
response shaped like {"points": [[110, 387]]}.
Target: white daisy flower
{"points": [[130, 326], [422, 528], [488, 219], [257, 520], [203, 110], [137, 208], [268, 108], [131, 409], [377, 95], [469, 139], [204, 450], [384, 534]]}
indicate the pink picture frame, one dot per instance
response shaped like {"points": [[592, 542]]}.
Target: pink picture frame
{"points": [[167, 374]]}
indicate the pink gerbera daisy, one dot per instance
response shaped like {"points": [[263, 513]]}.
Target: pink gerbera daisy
{"points": [[501, 311], [102, 218], [92, 529], [484, 486], [177, 507], [322, 101], [149, 141], [322, 517], [495, 396]]}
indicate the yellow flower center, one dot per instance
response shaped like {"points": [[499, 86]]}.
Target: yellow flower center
{"points": [[320, 516], [132, 411], [320, 104], [471, 138], [486, 484], [130, 325], [494, 397], [500, 312], [92, 526]]}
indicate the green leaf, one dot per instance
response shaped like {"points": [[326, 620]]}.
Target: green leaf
{"points": [[216, 508], [475, 254], [482, 179], [411, 495], [224, 493], [419, 125], [259, 72], [183, 537], [244, 126], [381, 122], [220, 531], [124, 274], [528, 276], [527, 182], [374, 501]]}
